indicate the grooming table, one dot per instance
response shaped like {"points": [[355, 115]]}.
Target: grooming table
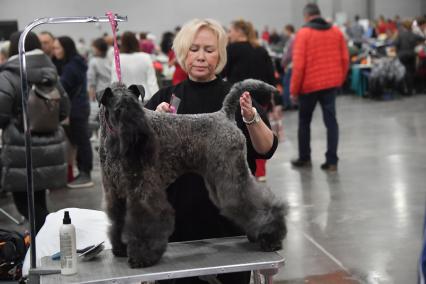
{"points": [[183, 259]]}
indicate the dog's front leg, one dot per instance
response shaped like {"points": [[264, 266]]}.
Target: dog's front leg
{"points": [[149, 223], [116, 210]]}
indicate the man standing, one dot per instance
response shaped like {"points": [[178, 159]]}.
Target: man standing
{"points": [[356, 33], [320, 64], [46, 40]]}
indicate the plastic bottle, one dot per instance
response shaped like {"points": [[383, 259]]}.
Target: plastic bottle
{"points": [[68, 246]]}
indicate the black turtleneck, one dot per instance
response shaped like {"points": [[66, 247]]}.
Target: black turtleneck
{"points": [[196, 216], [196, 97]]}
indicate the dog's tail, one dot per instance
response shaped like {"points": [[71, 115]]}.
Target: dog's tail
{"points": [[231, 101]]}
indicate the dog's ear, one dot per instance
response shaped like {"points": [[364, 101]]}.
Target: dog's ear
{"points": [[103, 96], [137, 90]]}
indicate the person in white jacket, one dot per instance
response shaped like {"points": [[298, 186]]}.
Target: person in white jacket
{"points": [[99, 72], [136, 67]]}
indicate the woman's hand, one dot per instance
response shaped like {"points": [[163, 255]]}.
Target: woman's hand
{"points": [[246, 106], [165, 107], [261, 136]]}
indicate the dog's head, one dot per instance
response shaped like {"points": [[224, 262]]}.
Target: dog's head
{"points": [[123, 122], [108, 96]]}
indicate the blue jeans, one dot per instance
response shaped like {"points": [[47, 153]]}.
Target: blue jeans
{"points": [[286, 89], [307, 103]]}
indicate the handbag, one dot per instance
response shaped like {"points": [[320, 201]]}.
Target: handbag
{"points": [[43, 109]]}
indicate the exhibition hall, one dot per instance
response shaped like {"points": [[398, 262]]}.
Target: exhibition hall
{"points": [[221, 142]]}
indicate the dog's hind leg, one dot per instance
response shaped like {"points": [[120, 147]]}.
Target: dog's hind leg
{"points": [[246, 202], [149, 223], [116, 210]]}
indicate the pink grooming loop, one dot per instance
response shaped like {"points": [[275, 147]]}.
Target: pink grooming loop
{"points": [[114, 25]]}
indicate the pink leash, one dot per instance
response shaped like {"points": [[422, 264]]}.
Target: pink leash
{"points": [[114, 25]]}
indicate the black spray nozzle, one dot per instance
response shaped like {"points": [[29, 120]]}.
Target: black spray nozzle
{"points": [[67, 219]]}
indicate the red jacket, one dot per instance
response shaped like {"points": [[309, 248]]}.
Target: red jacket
{"points": [[320, 58]]}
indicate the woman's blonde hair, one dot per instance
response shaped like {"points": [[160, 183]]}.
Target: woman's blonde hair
{"points": [[248, 30], [183, 40]]}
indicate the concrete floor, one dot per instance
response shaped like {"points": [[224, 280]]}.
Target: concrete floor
{"points": [[362, 224]]}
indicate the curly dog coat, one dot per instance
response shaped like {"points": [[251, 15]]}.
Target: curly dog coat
{"points": [[142, 152]]}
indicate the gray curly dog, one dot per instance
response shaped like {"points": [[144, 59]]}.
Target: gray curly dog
{"points": [[142, 152]]}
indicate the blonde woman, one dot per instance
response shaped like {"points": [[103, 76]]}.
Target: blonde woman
{"points": [[200, 48]]}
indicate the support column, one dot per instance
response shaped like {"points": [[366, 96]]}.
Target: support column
{"points": [[371, 9], [423, 7], [337, 7]]}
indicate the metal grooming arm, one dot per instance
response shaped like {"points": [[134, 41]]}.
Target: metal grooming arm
{"points": [[24, 88]]}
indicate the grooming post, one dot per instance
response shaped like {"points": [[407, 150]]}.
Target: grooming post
{"points": [[24, 88]]}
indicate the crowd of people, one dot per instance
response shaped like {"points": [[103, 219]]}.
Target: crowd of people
{"points": [[311, 66]]}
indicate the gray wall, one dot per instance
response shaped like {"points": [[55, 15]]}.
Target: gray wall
{"points": [[159, 15], [423, 7], [373, 8], [404, 8], [150, 15]]}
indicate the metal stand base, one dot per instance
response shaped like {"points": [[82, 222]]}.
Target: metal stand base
{"points": [[34, 274], [10, 217]]}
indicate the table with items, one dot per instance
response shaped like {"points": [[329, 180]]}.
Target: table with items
{"points": [[203, 258]]}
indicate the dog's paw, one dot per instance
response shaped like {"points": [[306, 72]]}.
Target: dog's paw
{"points": [[139, 263], [268, 243], [142, 255], [119, 250], [251, 238]]}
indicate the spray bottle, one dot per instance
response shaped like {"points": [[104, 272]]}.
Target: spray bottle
{"points": [[68, 246]]}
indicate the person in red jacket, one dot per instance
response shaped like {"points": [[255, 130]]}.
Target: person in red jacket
{"points": [[320, 64]]}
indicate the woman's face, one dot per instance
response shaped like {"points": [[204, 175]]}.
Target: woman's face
{"points": [[287, 32], [203, 56], [95, 51], [58, 50], [233, 34]]}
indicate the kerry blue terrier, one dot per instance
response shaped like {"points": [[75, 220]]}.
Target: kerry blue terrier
{"points": [[138, 163]]}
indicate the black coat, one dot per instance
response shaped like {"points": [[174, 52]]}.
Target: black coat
{"points": [[49, 150], [406, 43], [248, 62], [74, 80]]}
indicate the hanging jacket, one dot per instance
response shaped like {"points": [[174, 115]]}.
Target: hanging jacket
{"points": [[48, 150]]}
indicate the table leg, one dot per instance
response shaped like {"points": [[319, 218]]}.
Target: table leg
{"points": [[269, 275], [257, 279]]}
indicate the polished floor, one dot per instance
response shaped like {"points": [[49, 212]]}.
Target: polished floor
{"points": [[362, 224]]}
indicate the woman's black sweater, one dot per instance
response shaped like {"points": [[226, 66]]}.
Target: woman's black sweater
{"points": [[248, 62]]}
